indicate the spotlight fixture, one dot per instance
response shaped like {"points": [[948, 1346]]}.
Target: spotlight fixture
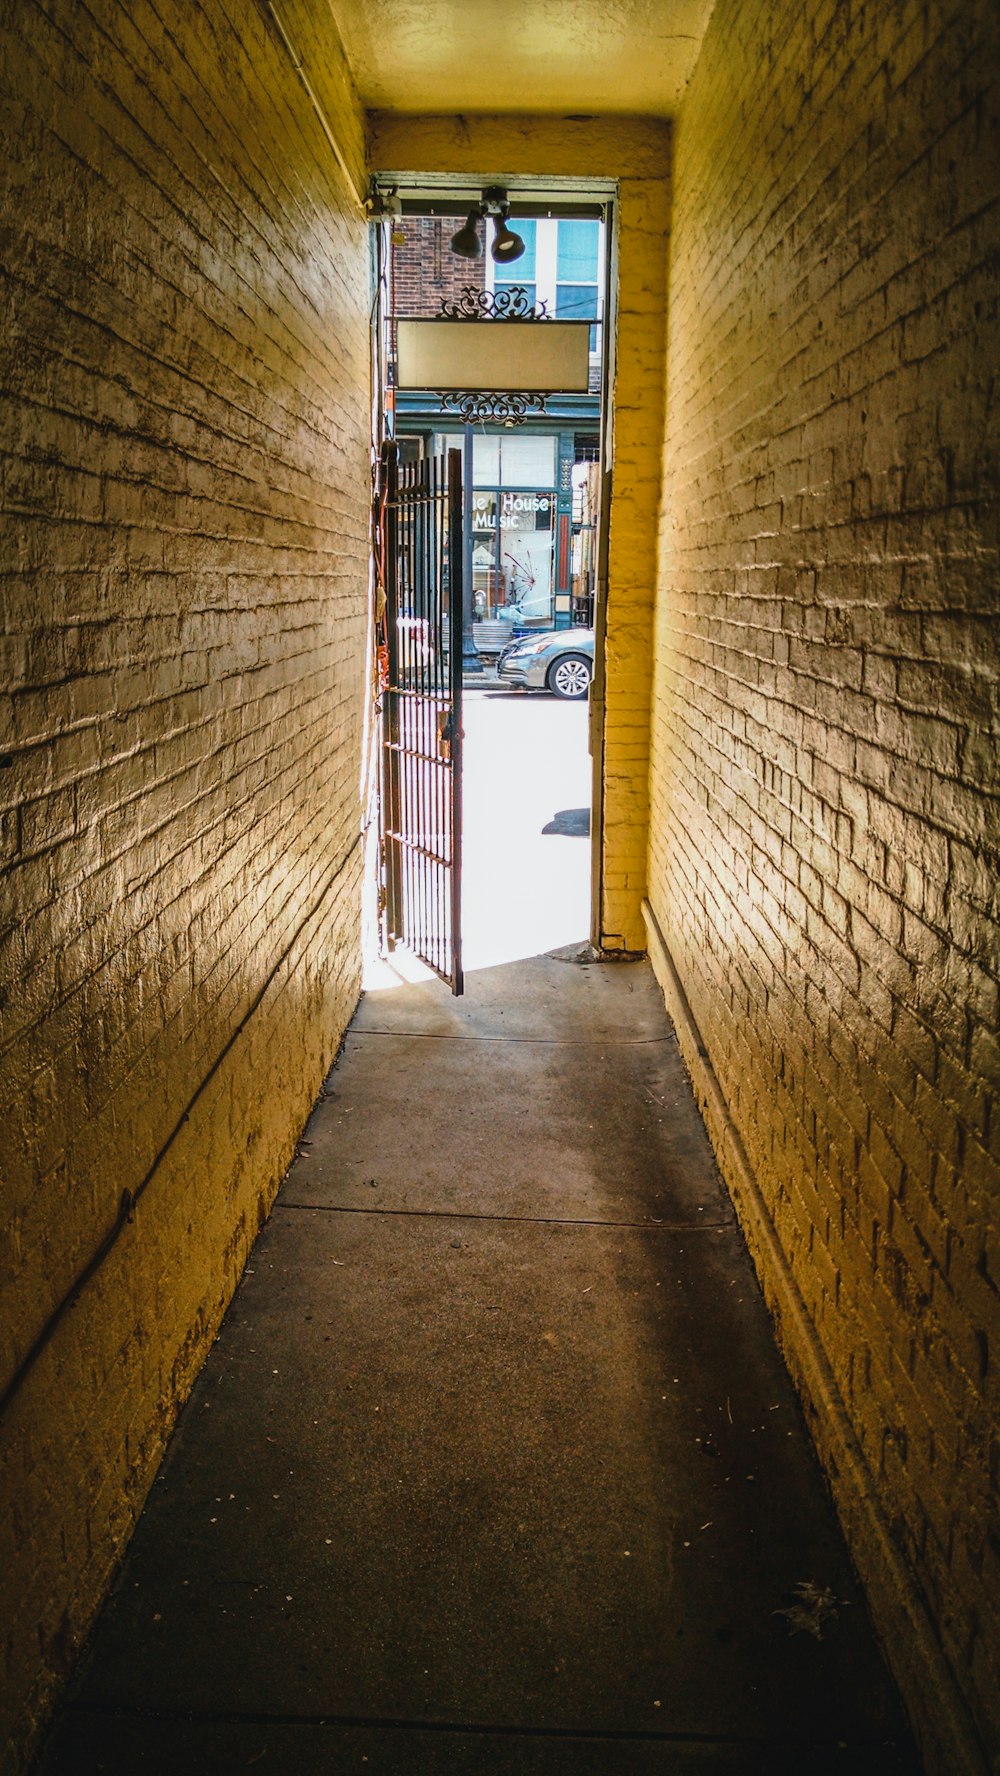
{"points": [[466, 243], [507, 246]]}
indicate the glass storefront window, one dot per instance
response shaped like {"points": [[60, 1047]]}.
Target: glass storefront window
{"points": [[527, 461], [527, 522], [513, 527], [485, 461], [487, 591], [583, 560], [513, 461]]}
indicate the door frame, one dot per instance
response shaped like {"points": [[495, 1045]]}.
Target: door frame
{"points": [[442, 193]]}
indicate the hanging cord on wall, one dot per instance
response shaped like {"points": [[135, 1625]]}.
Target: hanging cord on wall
{"points": [[376, 648], [378, 315], [129, 1198], [325, 125]]}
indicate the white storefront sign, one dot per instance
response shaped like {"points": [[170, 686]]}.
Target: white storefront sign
{"points": [[485, 357]]}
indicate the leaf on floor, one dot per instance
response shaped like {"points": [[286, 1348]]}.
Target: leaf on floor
{"points": [[816, 1605]]}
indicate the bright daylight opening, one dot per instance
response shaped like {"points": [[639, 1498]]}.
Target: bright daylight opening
{"points": [[530, 530]]}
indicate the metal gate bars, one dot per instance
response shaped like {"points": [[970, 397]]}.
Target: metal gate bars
{"points": [[421, 551]]}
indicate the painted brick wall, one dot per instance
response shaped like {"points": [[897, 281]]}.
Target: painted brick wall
{"points": [[184, 385], [824, 830]]}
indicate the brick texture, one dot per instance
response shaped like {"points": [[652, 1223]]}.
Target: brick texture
{"points": [[183, 570], [425, 272], [824, 831]]}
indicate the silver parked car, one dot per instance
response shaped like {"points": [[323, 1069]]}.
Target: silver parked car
{"points": [[556, 660]]}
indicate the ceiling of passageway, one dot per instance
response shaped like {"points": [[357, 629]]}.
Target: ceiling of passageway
{"points": [[630, 57]]}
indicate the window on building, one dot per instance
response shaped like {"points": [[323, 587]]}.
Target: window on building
{"points": [[411, 450], [586, 480], [560, 267], [577, 252], [523, 271], [577, 273]]}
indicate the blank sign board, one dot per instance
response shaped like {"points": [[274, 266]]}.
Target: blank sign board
{"points": [[494, 357]]}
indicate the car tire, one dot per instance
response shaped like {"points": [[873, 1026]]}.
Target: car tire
{"points": [[570, 676]]}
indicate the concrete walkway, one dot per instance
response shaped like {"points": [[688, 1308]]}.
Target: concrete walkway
{"points": [[494, 1466]]}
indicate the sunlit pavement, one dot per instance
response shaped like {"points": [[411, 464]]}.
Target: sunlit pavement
{"points": [[524, 891]]}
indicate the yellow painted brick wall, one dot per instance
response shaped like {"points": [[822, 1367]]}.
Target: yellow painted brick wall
{"points": [[824, 835], [636, 153], [184, 474]]}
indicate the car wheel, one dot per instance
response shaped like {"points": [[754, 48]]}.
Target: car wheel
{"points": [[570, 676]]}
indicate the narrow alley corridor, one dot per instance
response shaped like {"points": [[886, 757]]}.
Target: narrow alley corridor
{"points": [[494, 1465]]}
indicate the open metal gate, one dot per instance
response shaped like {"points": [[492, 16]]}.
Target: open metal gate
{"points": [[421, 559]]}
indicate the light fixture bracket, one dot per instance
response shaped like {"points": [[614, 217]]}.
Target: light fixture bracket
{"points": [[383, 205]]}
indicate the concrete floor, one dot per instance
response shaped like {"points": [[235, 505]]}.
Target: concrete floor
{"points": [[494, 1466]]}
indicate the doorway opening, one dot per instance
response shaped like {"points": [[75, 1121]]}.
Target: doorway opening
{"points": [[524, 726]]}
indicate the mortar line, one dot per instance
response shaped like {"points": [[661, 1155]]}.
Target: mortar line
{"points": [[476, 1729], [538, 1041], [521, 1220]]}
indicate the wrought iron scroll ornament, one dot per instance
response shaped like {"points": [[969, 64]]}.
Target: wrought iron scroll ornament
{"points": [[510, 407], [510, 303]]}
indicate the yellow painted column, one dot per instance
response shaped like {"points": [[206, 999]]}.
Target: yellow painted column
{"points": [[644, 217]]}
